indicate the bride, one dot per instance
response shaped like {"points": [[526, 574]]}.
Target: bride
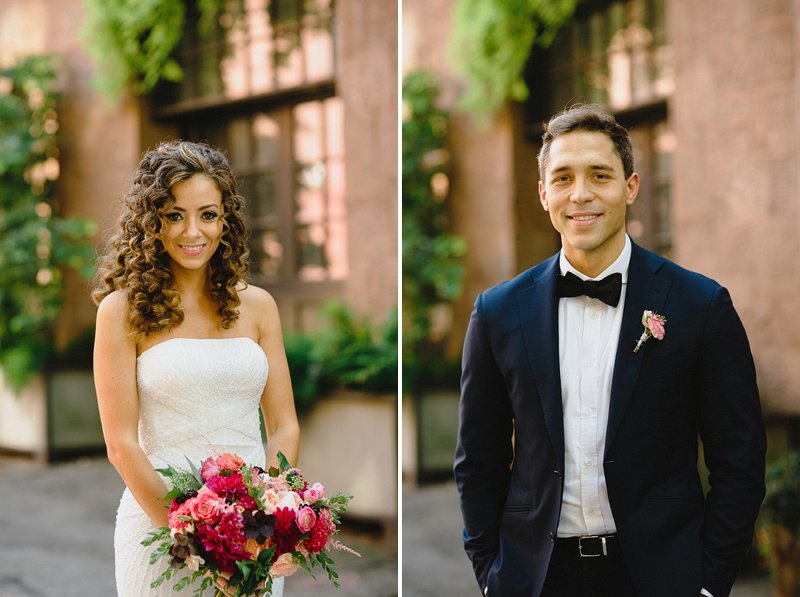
{"points": [[183, 345]]}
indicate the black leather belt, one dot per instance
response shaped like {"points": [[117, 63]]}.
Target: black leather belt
{"points": [[589, 546]]}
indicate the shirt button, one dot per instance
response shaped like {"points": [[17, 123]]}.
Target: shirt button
{"points": [[587, 463]]}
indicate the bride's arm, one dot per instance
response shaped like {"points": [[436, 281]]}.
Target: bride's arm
{"points": [[277, 401], [118, 400]]}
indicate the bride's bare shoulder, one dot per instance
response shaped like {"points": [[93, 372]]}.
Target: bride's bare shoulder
{"points": [[258, 304], [113, 316]]}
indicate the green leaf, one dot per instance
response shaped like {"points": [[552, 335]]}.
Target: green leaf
{"points": [[283, 462], [492, 43], [195, 472]]}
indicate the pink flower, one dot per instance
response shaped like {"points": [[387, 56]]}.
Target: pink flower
{"points": [[653, 328], [656, 328], [283, 566], [206, 506], [174, 521], [229, 462], [305, 519], [326, 517], [278, 484], [314, 493], [209, 469]]}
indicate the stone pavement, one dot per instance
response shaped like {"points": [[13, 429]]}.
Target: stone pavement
{"points": [[56, 537], [434, 563]]}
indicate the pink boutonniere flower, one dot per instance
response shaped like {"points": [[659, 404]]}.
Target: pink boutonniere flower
{"points": [[653, 326]]}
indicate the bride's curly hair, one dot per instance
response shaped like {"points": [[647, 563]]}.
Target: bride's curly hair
{"points": [[135, 259]]}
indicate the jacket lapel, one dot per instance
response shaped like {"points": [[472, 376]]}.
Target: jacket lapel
{"points": [[538, 314], [644, 291]]}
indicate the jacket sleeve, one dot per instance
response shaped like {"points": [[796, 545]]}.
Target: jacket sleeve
{"points": [[484, 449], [732, 430]]}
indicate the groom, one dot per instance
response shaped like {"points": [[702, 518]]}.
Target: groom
{"points": [[579, 418]]}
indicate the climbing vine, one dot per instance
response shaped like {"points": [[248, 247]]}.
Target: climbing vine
{"points": [[492, 43], [432, 255], [36, 245]]}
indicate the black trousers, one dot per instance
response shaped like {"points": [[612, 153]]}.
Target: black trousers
{"points": [[570, 575]]}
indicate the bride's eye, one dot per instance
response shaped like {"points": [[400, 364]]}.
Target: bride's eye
{"points": [[209, 215], [173, 217]]}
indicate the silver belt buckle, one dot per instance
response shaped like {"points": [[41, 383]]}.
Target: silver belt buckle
{"points": [[591, 555]]}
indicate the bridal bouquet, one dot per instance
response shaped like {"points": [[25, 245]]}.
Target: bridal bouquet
{"points": [[229, 520]]}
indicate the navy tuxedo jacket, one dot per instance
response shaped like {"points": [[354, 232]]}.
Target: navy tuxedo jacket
{"points": [[699, 380]]}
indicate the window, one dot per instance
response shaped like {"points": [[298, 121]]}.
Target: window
{"points": [[256, 47], [260, 84], [612, 53]]}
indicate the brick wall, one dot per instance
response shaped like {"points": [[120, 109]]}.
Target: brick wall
{"points": [[367, 83], [736, 213]]}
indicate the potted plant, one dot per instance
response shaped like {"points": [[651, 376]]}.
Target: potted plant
{"points": [[345, 385], [779, 525]]}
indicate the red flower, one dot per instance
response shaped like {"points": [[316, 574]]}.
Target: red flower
{"points": [[286, 532], [320, 532], [224, 541], [232, 489]]}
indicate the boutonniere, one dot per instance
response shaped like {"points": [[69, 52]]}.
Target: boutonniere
{"points": [[653, 326]]}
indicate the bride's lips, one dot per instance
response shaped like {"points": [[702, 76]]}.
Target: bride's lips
{"points": [[192, 250]]}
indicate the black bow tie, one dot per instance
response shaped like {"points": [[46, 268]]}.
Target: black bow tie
{"points": [[607, 290]]}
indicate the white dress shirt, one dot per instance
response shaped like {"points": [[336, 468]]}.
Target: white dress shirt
{"points": [[588, 334]]}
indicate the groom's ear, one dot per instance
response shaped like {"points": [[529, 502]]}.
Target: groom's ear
{"points": [[543, 196], [632, 185]]}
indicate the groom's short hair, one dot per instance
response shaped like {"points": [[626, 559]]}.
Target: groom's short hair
{"points": [[587, 117]]}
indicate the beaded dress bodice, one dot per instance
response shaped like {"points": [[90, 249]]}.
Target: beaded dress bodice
{"points": [[197, 397], [200, 396]]}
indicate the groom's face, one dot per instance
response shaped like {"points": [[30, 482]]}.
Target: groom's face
{"points": [[587, 195]]}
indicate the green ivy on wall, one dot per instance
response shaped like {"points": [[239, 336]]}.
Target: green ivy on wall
{"points": [[432, 255], [134, 41], [35, 244], [493, 40]]}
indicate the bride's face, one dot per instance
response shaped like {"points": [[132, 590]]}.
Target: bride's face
{"points": [[193, 225]]}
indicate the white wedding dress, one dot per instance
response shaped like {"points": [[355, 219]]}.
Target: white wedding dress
{"points": [[197, 397]]}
